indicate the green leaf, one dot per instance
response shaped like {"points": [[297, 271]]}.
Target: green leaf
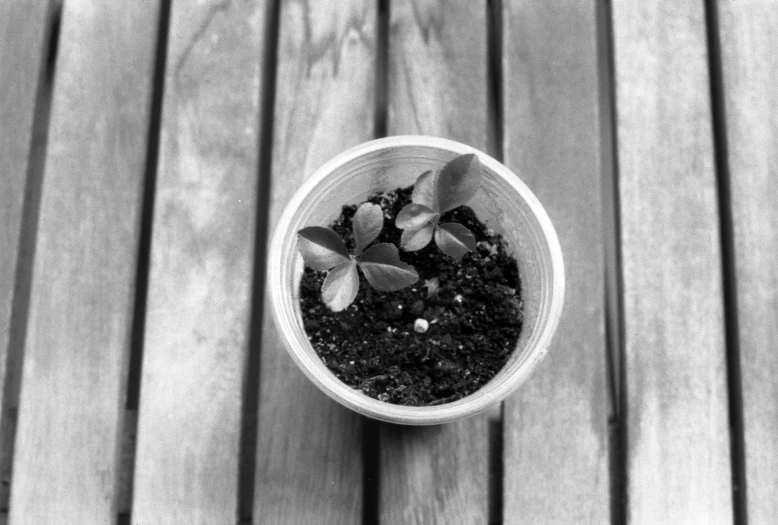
{"points": [[413, 240], [414, 216], [321, 248], [367, 224], [425, 190], [340, 286], [454, 239], [384, 270], [458, 182]]}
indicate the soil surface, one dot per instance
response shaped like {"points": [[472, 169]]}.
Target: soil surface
{"points": [[473, 308]]}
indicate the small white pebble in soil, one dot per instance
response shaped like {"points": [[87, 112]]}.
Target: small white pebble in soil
{"points": [[399, 307], [383, 397], [388, 328], [433, 287], [421, 326], [351, 362], [458, 299]]}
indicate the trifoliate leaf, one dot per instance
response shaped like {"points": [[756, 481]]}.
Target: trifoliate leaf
{"points": [[341, 286], [425, 190], [413, 240], [458, 182], [414, 216], [321, 248], [367, 224], [454, 239], [384, 270]]}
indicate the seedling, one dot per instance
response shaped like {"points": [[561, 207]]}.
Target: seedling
{"points": [[323, 249], [434, 194]]}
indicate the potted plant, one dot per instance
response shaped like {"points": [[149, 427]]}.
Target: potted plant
{"points": [[499, 199]]}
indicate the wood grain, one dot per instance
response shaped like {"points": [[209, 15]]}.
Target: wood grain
{"points": [[23, 45], [677, 420], [202, 255], [437, 86], [74, 374], [309, 451], [750, 74], [556, 425], [437, 70], [22, 53]]}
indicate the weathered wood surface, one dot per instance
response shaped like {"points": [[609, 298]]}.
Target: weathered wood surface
{"points": [[750, 75], [437, 86], [202, 259], [74, 373], [22, 38], [309, 448], [556, 425], [677, 419], [23, 43]]}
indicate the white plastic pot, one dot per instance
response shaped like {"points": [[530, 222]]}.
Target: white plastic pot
{"points": [[503, 202]]}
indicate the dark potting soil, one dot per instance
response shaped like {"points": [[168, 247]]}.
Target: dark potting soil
{"points": [[473, 308]]}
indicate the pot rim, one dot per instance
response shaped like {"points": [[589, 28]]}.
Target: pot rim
{"points": [[425, 415]]}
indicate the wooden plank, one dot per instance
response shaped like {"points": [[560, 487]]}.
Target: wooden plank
{"points": [[677, 420], [437, 86], [74, 374], [22, 54], [556, 425], [750, 74], [23, 45], [202, 255], [309, 450]]}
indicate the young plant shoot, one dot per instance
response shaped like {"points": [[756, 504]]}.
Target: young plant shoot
{"points": [[434, 194], [322, 249]]}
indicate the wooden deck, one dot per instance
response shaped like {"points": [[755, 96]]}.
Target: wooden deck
{"points": [[147, 149]]}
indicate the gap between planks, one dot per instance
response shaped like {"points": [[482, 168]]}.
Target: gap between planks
{"points": [[494, 140], [371, 433], [614, 308], [381, 69], [26, 252], [729, 284], [249, 419], [125, 472]]}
